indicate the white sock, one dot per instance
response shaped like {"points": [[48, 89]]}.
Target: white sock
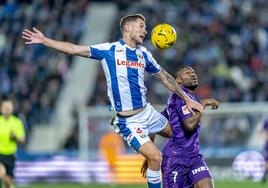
{"points": [[153, 177]]}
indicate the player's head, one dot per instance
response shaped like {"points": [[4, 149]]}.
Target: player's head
{"points": [[133, 26], [6, 107], [186, 77]]}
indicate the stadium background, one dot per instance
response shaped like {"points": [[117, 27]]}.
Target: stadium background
{"points": [[62, 99]]}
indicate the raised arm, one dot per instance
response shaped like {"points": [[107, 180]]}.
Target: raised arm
{"points": [[191, 122], [168, 81], [37, 37]]}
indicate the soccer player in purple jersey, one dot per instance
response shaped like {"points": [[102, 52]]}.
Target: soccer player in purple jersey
{"points": [[124, 63], [183, 165], [265, 130]]}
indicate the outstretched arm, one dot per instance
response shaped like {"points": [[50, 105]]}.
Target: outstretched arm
{"points": [[172, 85], [37, 37]]}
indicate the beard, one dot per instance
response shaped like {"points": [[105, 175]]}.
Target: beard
{"points": [[191, 87]]}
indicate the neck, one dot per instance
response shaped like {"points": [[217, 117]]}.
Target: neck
{"points": [[189, 89], [129, 41], [6, 116]]}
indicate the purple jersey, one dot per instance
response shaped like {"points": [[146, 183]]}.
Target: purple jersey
{"points": [[182, 143], [265, 128]]}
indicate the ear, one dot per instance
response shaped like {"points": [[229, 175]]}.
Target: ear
{"points": [[127, 27], [178, 80]]}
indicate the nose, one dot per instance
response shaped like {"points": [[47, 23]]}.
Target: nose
{"points": [[145, 32], [194, 76]]}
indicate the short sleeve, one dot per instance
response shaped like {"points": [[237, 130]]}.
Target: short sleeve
{"points": [[98, 51], [151, 66], [165, 113], [181, 108]]}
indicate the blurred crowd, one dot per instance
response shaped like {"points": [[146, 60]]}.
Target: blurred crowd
{"points": [[33, 75], [224, 41]]}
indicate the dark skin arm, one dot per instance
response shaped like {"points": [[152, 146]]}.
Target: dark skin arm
{"points": [[192, 122]]}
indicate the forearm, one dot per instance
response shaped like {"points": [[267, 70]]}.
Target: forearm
{"points": [[18, 140], [64, 47], [168, 81], [192, 122]]}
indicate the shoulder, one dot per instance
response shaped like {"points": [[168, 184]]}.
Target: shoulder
{"points": [[175, 100], [144, 50], [16, 119], [104, 46]]}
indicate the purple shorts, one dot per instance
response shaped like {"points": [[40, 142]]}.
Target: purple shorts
{"points": [[184, 173]]}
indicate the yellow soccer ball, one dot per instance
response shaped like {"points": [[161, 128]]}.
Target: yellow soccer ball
{"points": [[163, 36]]}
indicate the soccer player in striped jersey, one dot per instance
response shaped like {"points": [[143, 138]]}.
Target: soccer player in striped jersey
{"points": [[124, 63]]}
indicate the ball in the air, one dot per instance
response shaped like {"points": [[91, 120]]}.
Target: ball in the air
{"points": [[163, 36]]}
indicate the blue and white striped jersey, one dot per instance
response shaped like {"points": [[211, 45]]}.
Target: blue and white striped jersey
{"points": [[124, 71]]}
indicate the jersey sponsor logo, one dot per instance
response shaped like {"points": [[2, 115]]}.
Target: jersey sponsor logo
{"points": [[185, 111], [131, 64], [129, 138], [199, 169]]}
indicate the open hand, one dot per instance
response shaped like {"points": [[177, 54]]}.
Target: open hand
{"points": [[210, 102], [33, 37]]}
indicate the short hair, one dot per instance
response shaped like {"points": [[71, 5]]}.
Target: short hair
{"points": [[5, 98], [180, 69], [130, 18]]}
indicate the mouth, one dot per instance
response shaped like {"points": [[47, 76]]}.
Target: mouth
{"points": [[195, 80]]}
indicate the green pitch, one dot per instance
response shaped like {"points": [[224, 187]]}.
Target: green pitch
{"points": [[218, 184]]}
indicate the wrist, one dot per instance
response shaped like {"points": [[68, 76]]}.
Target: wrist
{"points": [[45, 40], [203, 102], [186, 98]]}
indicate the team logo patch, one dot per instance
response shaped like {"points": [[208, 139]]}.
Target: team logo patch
{"points": [[140, 56], [185, 111]]}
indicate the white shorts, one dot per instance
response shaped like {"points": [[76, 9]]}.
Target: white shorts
{"points": [[135, 129]]}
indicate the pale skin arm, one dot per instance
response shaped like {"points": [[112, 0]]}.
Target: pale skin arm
{"points": [[170, 83], [37, 37]]}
